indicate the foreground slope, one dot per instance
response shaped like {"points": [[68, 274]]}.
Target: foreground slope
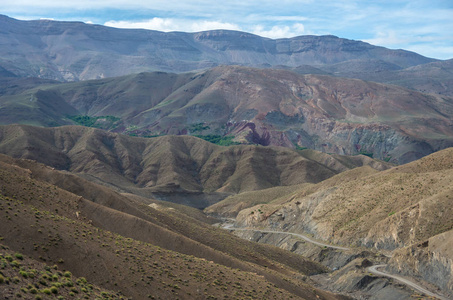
{"points": [[57, 227], [182, 169], [22, 277]]}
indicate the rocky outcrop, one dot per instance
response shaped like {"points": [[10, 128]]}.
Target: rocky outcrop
{"points": [[430, 260]]}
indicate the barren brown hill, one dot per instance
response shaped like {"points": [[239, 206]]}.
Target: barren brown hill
{"points": [[182, 169], [246, 105], [405, 210], [233, 204], [387, 210], [61, 228]]}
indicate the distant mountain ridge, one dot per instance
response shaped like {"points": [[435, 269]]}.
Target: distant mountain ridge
{"points": [[78, 51]]}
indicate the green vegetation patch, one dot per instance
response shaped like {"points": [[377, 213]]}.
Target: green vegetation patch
{"points": [[102, 122], [218, 139], [369, 154], [199, 127]]}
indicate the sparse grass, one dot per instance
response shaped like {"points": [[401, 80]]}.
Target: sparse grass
{"points": [[149, 269]]}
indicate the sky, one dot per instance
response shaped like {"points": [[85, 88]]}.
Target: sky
{"points": [[422, 26]]}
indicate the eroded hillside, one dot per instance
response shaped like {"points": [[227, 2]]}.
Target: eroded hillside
{"points": [[56, 227], [404, 212], [245, 105], [181, 169]]}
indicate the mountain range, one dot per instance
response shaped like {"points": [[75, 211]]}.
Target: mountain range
{"points": [[262, 102], [79, 51], [245, 105], [141, 164]]}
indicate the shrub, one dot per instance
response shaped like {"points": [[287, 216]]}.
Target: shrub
{"points": [[24, 274], [19, 256], [46, 291], [81, 280], [69, 283], [54, 290], [14, 263]]}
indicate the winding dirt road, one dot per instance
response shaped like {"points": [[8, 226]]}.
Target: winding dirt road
{"points": [[230, 227], [372, 269]]}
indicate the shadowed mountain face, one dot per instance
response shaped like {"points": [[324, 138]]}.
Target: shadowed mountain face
{"points": [[259, 106], [434, 78], [78, 51], [181, 169]]}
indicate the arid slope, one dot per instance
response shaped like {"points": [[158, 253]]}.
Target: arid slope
{"points": [[390, 209], [136, 241], [182, 169]]}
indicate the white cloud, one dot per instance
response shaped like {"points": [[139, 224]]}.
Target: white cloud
{"points": [[280, 31], [169, 24], [385, 38], [433, 50], [160, 24], [286, 18], [211, 25]]}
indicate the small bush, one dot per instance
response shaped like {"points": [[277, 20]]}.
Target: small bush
{"points": [[2, 279], [19, 256], [47, 291], [67, 274], [69, 283], [54, 290], [81, 280], [24, 274], [14, 263]]}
